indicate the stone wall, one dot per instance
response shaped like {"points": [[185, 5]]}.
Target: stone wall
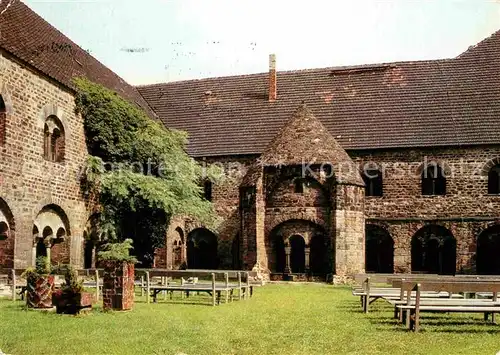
{"points": [[465, 210], [28, 182]]}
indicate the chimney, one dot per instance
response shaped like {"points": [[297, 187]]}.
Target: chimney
{"points": [[272, 78]]}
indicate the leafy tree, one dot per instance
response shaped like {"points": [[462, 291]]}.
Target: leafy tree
{"points": [[138, 170]]}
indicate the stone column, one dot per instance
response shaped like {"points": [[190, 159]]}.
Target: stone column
{"points": [[288, 250], [349, 233], [33, 253], [48, 244], [307, 252]]}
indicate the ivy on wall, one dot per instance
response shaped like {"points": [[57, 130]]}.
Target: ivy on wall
{"points": [[138, 169]]}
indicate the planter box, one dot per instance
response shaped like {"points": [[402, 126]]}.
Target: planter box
{"points": [[118, 286], [39, 291], [72, 303]]}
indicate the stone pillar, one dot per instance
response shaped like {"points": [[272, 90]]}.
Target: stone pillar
{"points": [[93, 262], [118, 285], [48, 245], [307, 252], [288, 250], [349, 231], [33, 254]]}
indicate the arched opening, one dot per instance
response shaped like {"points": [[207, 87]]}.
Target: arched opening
{"points": [[207, 190], [297, 254], [88, 253], [318, 263], [279, 255], [298, 246], [54, 142], [7, 236], [3, 120], [433, 180], [54, 224], [92, 238], [202, 249], [488, 251], [235, 252], [41, 249], [494, 180], [373, 182], [379, 250], [4, 230], [47, 232], [433, 250], [177, 248]]}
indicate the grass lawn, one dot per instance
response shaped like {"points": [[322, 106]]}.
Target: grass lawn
{"points": [[279, 319]]}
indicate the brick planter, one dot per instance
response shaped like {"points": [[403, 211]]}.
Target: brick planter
{"points": [[118, 286], [39, 291], [72, 303]]}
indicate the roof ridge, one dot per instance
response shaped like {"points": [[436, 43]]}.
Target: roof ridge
{"points": [[296, 71], [473, 47]]}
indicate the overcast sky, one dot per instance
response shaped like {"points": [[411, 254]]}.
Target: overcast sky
{"points": [[150, 41]]}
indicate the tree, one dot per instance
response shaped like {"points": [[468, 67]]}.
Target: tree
{"points": [[138, 170]]}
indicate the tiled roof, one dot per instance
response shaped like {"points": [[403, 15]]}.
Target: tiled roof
{"points": [[33, 40], [435, 103], [304, 139]]}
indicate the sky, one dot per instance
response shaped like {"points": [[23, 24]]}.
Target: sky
{"points": [[152, 41]]}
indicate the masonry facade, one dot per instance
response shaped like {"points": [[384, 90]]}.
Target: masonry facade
{"points": [[41, 203], [421, 135], [42, 142], [384, 168]]}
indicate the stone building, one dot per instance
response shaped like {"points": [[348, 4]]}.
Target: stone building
{"points": [[42, 141], [390, 167], [423, 135]]}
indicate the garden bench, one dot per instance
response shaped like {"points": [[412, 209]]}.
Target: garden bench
{"points": [[413, 307], [214, 289]]}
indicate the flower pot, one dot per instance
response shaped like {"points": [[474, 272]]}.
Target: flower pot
{"points": [[70, 302], [39, 291], [118, 285]]}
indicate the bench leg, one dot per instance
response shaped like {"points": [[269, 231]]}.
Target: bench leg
{"points": [[396, 315], [493, 318], [407, 317], [486, 315], [416, 324]]}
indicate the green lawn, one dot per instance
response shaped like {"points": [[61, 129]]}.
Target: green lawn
{"points": [[279, 319]]}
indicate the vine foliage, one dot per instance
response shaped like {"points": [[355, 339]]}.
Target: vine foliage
{"points": [[138, 171]]}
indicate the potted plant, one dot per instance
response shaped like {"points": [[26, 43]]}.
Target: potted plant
{"points": [[71, 298], [118, 278], [40, 284]]}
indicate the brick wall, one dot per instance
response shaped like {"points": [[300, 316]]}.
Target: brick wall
{"points": [[28, 182]]}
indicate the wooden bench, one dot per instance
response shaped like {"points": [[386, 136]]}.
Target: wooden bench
{"points": [[413, 307], [214, 289], [369, 294]]}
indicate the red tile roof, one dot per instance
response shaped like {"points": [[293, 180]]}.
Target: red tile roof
{"points": [[33, 40], [435, 103]]}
